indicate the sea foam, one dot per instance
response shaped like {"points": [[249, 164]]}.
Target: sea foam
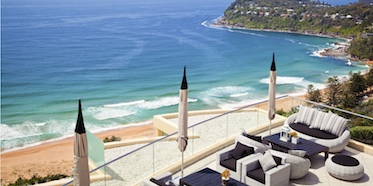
{"points": [[300, 81], [120, 110], [317, 53], [221, 95]]}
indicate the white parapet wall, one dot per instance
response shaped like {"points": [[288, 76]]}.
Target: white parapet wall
{"points": [[165, 125]]}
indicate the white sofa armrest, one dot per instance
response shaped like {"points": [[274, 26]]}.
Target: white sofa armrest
{"points": [[290, 119]]}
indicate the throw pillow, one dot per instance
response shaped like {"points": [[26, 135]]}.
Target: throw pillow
{"points": [[325, 121], [256, 138], [305, 115], [318, 120], [241, 151], [339, 126], [260, 147], [267, 162], [332, 120], [300, 153]]}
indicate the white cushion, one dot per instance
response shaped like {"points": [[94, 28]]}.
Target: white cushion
{"points": [[267, 162], [305, 115], [331, 122], [318, 119], [325, 121], [299, 153], [339, 126]]}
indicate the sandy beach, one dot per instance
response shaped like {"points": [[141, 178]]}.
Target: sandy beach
{"points": [[57, 157]]}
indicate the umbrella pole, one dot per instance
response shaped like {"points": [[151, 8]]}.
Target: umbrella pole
{"points": [[270, 126], [182, 164]]}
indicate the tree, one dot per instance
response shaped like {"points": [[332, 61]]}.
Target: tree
{"points": [[348, 98], [313, 94], [369, 78], [334, 91], [357, 84]]}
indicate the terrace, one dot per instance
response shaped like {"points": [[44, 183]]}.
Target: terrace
{"points": [[210, 131]]}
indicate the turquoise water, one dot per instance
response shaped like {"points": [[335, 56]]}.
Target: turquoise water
{"points": [[125, 61]]}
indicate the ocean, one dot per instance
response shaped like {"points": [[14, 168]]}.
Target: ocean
{"points": [[125, 60]]}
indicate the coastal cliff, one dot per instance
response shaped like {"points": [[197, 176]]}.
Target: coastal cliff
{"points": [[311, 18]]}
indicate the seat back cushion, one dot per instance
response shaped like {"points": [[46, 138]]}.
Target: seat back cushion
{"points": [[318, 120], [325, 122], [241, 151], [339, 125], [305, 115], [258, 147], [278, 160], [256, 138], [267, 161]]}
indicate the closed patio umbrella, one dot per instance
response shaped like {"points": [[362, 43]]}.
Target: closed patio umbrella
{"points": [[182, 137], [81, 170], [272, 93]]}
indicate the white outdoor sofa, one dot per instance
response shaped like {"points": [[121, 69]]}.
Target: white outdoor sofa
{"points": [[325, 128]]}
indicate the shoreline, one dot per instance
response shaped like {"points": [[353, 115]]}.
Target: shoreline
{"points": [[220, 23], [336, 52]]}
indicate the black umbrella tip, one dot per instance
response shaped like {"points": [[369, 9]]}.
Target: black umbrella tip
{"points": [[273, 66], [184, 84], [79, 128]]}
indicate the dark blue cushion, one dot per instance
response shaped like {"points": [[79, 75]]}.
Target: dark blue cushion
{"points": [[158, 182], [257, 174], [241, 151], [256, 138], [345, 160], [277, 160], [229, 164], [317, 133]]}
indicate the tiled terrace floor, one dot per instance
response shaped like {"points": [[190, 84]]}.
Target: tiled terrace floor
{"points": [[317, 174]]}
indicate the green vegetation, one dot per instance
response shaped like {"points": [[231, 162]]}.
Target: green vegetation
{"points": [[309, 17], [348, 94], [313, 94], [36, 179], [363, 134], [287, 114], [113, 138], [362, 48]]}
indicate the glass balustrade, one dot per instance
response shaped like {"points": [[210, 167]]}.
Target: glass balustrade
{"points": [[129, 165]]}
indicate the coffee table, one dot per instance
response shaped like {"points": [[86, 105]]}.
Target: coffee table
{"points": [[310, 147], [207, 177]]}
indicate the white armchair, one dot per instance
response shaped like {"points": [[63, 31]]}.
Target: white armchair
{"points": [[298, 166], [253, 174], [225, 158]]}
